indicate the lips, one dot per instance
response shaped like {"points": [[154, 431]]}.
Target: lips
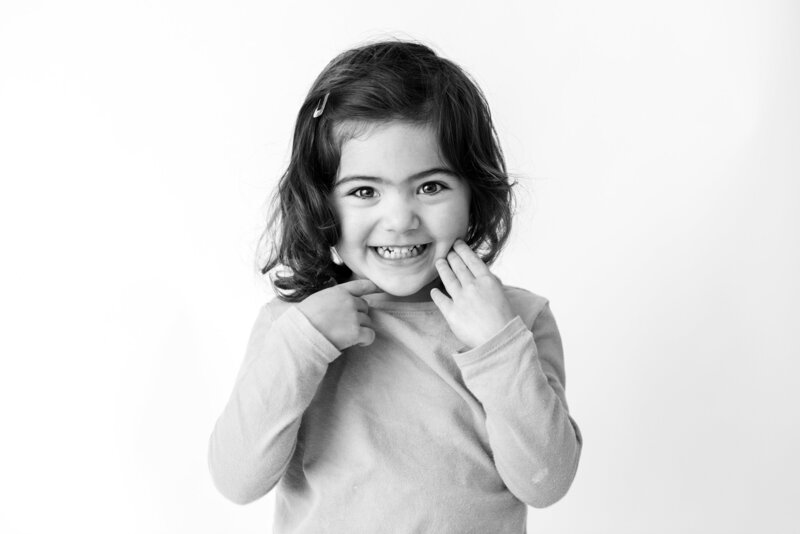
{"points": [[391, 252]]}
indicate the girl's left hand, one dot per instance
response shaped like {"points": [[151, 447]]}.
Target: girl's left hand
{"points": [[477, 308]]}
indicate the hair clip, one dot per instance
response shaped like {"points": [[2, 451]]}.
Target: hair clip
{"points": [[321, 105]]}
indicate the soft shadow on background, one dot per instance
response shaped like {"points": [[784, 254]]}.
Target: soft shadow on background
{"points": [[657, 151]]}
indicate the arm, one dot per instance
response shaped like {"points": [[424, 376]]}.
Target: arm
{"points": [[255, 437], [518, 376]]}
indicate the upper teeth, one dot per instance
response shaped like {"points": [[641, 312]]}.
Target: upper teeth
{"points": [[399, 252]]}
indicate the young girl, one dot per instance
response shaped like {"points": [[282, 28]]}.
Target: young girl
{"points": [[396, 385]]}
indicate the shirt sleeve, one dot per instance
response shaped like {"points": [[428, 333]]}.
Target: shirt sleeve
{"points": [[518, 376], [255, 436]]}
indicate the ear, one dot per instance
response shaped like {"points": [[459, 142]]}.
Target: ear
{"points": [[335, 256]]}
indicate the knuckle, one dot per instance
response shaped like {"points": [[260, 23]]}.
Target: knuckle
{"points": [[355, 329]]}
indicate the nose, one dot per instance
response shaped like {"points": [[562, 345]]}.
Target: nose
{"points": [[400, 215]]}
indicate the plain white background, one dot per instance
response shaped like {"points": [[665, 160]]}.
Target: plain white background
{"points": [[657, 148]]}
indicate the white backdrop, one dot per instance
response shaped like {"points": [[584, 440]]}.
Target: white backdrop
{"points": [[658, 154]]}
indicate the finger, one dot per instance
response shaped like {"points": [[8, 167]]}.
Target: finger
{"points": [[360, 287], [473, 262], [365, 336], [361, 304], [451, 283], [442, 301], [364, 319], [457, 264]]}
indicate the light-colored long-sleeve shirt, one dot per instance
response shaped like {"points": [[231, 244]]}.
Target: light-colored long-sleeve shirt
{"points": [[410, 434]]}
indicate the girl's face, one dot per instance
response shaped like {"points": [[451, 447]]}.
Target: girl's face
{"points": [[399, 208]]}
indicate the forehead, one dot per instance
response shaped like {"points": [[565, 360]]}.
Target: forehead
{"points": [[388, 150]]}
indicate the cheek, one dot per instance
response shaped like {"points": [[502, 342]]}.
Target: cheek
{"points": [[454, 221], [343, 220], [351, 227]]}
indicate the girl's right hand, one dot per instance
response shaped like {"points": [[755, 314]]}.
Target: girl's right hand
{"points": [[340, 314]]}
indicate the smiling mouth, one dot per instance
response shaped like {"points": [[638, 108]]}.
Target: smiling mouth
{"points": [[400, 253]]}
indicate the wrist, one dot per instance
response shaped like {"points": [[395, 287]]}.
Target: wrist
{"points": [[490, 336]]}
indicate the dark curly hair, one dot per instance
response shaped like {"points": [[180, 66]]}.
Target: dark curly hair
{"points": [[379, 82]]}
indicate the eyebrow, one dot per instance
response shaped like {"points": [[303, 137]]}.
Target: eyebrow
{"points": [[415, 176]]}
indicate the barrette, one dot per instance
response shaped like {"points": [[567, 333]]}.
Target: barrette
{"points": [[321, 105]]}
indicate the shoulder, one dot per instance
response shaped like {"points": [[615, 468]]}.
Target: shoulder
{"points": [[526, 304], [271, 310], [276, 307]]}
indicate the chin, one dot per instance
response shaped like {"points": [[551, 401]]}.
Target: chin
{"points": [[405, 290], [400, 291]]}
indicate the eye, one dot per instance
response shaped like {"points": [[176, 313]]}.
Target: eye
{"points": [[363, 192], [431, 188]]}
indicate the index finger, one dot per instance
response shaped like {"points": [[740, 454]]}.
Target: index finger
{"points": [[471, 259], [360, 287]]}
